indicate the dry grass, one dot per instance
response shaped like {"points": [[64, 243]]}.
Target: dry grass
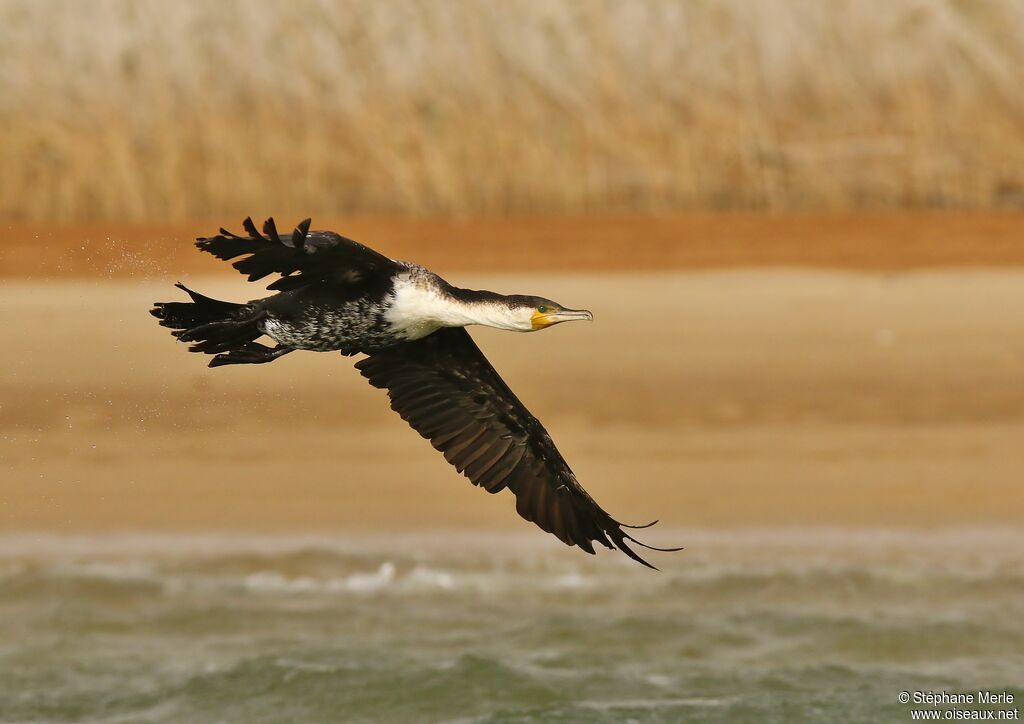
{"points": [[157, 110]]}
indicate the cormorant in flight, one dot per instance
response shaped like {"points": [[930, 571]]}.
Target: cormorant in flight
{"points": [[334, 294]]}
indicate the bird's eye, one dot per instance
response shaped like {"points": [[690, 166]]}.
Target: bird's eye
{"points": [[542, 309]]}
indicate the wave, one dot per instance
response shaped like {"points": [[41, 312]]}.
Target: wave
{"points": [[446, 561], [467, 628], [935, 579]]}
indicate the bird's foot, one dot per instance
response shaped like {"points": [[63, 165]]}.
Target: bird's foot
{"points": [[251, 353]]}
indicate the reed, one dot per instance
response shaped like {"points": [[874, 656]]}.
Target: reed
{"points": [[151, 110]]}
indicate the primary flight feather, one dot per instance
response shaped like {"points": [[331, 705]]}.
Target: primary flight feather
{"points": [[334, 294]]}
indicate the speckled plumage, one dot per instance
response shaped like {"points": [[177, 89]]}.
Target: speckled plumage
{"points": [[322, 318], [349, 326]]}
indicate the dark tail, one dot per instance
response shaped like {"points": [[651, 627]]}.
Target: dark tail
{"points": [[212, 326]]}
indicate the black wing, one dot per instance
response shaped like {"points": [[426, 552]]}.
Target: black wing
{"points": [[302, 257], [446, 389]]}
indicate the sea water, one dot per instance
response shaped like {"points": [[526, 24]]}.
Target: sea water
{"points": [[742, 626]]}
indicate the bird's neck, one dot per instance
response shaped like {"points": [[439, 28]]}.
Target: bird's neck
{"points": [[467, 306], [424, 305]]}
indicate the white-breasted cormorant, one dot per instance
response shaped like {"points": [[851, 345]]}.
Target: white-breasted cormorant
{"points": [[335, 294]]}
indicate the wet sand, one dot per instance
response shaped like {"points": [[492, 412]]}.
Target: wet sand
{"points": [[749, 397], [872, 241]]}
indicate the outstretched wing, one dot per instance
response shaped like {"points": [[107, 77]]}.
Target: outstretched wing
{"points": [[445, 388], [302, 257]]}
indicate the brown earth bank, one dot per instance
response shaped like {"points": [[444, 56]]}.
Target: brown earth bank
{"points": [[703, 398], [884, 241]]}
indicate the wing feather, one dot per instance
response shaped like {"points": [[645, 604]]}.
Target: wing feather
{"points": [[445, 388], [301, 258]]}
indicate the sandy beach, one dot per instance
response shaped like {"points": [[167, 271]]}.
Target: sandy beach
{"points": [[747, 397]]}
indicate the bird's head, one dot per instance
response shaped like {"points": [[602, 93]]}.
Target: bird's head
{"points": [[533, 313]]}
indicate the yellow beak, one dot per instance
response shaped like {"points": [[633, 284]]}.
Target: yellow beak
{"points": [[540, 321]]}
